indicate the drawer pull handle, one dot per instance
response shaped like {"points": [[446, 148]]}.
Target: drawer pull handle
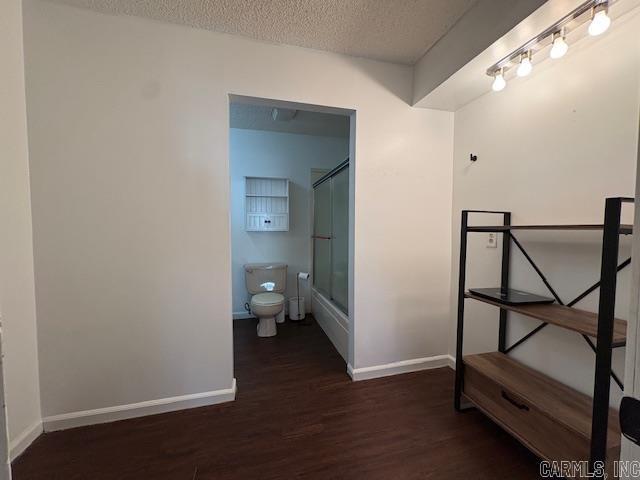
{"points": [[520, 406]]}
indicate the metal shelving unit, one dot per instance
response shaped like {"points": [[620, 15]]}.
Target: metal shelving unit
{"points": [[608, 331]]}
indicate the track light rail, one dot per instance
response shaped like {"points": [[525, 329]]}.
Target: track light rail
{"points": [[569, 22]]}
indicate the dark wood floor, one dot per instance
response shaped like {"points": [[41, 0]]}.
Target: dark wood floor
{"points": [[297, 415]]}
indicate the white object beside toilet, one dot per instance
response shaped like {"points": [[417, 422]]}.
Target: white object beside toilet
{"points": [[266, 282], [296, 308], [296, 304]]}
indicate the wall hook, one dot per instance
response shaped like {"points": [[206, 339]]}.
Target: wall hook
{"points": [[473, 157]]}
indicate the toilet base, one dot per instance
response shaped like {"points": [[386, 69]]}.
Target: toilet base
{"points": [[267, 327]]}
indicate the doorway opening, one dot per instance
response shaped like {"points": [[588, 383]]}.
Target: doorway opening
{"points": [[292, 174]]}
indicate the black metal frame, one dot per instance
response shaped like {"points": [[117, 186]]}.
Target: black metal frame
{"points": [[504, 284], [607, 284]]}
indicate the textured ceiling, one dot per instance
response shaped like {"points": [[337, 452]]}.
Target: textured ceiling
{"points": [[254, 117], [399, 31]]}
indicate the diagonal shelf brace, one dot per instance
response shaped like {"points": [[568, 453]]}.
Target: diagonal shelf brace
{"points": [[596, 285], [538, 271], [589, 290], [526, 337], [613, 374]]}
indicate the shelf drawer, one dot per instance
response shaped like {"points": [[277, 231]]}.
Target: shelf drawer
{"points": [[547, 417], [543, 435]]}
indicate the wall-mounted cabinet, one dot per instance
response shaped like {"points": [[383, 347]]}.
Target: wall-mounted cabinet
{"points": [[266, 204]]}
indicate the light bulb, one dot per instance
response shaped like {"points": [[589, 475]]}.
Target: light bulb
{"points": [[525, 66], [559, 47], [599, 23], [499, 82]]}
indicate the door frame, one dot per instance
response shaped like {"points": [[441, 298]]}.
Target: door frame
{"points": [[352, 114], [5, 454], [632, 363]]}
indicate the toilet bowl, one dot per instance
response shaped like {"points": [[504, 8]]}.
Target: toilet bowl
{"points": [[267, 306], [266, 283]]}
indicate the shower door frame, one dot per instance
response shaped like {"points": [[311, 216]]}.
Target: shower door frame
{"points": [[328, 177]]}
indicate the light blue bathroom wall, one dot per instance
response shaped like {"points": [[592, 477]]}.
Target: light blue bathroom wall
{"points": [[275, 154]]}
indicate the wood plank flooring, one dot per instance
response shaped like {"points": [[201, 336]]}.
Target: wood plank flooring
{"points": [[297, 415]]}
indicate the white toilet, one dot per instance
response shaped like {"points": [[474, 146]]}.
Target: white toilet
{"points": [[266, 283]]}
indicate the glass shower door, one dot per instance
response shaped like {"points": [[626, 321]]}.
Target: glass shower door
{"points": [[331, 237], [340, 238], [322, 237]]}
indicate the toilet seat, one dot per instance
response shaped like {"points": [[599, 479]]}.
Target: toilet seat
{"points": [[267, 299]]}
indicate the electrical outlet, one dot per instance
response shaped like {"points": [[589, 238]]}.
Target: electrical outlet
{"points": [[492, 241]]}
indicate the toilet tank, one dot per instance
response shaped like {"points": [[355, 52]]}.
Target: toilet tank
{"points": [[265, 277]]}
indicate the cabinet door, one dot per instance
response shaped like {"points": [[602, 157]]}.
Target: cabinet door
{"points": [[276, 223], [262, 222], [254, 222]]}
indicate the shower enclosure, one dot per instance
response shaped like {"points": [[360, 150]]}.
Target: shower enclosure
{"points": [[331, 236]]}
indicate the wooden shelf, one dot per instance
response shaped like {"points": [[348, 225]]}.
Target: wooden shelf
{"points": [[565, 317], [552, 399], [624, 229]]}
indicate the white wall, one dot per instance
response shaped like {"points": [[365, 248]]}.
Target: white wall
{"points": [[129, 146], [17, 301], [630, 450], [273, 154], [550, 149]]}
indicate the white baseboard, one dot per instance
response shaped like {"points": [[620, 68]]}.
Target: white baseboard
{"points": [[244, 315], [396, 368], [452, 362], [141, 409], [22, 441]]}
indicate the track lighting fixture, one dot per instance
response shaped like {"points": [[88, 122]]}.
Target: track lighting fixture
{"points": [[499, 82], [559, 46], [596, 12], [525, 66], [600, 20]]}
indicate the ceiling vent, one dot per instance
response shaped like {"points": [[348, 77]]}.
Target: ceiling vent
{"points": [[283, 114]]}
